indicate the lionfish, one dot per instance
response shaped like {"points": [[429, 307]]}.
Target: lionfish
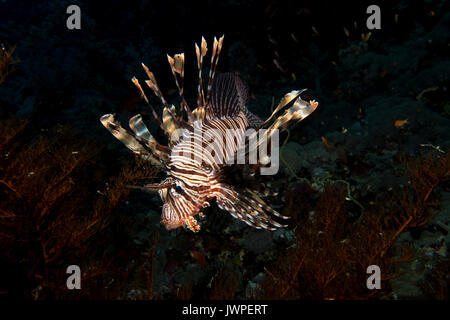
{"points": [[194, 179]]}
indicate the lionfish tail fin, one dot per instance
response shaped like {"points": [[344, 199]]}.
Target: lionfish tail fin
{"points": [[296, 113], [284, 102], [248, 207], [299, 110]]}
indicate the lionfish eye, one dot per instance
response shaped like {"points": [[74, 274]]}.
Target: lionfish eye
{"points": [[178, 189]]}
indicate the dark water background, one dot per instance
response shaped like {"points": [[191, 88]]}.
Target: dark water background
{"points": [[365, 86]]}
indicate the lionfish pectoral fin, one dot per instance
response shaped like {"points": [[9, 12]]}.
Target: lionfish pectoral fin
{"points": [[142, 133], [127, 139], [170, 124], [198, 114], [248, 207], [139, 128]]}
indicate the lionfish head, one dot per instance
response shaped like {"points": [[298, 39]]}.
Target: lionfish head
{"points": [[194, 178], [180, 204]]}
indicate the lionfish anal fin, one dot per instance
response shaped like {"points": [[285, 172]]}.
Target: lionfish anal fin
{"points": [[248, 207]]}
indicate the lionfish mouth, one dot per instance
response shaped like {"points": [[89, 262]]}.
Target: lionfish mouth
{"points": [[204, 141]]}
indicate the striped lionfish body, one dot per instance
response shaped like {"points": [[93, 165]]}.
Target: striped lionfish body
{"points": [[204, 142]]}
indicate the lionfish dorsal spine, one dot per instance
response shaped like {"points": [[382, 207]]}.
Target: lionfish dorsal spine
{"points": [[226, 98], [170, 121], [153, 84], [155, 115], [217, 47], [200, 53], [177, 66]]}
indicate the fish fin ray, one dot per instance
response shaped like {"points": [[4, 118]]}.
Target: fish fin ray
{"points": [[246, 206]]}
